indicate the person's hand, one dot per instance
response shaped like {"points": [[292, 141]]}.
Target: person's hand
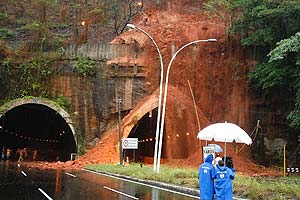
{"points": [[232, 169]]}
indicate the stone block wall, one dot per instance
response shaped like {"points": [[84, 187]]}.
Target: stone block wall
{"points": [[93, 99]]}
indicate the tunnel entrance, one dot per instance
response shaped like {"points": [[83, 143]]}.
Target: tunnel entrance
{"points": [[144, 130], [39, 129]]}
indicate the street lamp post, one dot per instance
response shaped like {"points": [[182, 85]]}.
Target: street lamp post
{"points": [[160, 94], [165, 97]]}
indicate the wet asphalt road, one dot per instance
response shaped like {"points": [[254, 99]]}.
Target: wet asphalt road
{"points": [[17, 182]]}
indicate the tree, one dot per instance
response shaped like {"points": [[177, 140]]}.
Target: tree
{"points": [[108, 16], [266, 22], [274, 26], [122, 12], [283, 69], [226, 10]]}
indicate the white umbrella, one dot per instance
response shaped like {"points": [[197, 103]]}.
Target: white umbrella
{"points": [[224, 132]]}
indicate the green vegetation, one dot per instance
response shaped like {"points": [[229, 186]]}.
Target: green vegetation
{"points": [[60, 102], [63, 102], [267, 188], [85, 67], [174, 175], [3, 16], [31, 43], [6, 33], [266, 22], [223, 9], [272, 27], [31, 77], [244, 186]]}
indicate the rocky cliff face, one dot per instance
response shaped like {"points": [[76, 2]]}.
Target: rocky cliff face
{"points": [[214, 73], [205, 70]]}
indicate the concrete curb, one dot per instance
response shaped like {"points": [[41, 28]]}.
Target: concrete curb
{"points": [[176, 188], [185, 190]]}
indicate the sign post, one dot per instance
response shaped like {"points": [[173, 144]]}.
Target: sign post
{"points": [[284, 161], [73, 156], [120, 131]]}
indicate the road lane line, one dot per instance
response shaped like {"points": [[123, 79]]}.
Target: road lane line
{"points": [[160, 188], [23, 173], [70, 174], [45, 194], [122, 193]]}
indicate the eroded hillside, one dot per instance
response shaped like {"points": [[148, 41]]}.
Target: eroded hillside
{"points": [[216, 73]]}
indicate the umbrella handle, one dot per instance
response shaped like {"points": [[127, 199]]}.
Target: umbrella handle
{"points": [[225, 153]]}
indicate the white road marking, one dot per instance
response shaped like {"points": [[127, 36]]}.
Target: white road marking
{"points": [[180, 193], [71, 174], [23, 173], [45, 194], [239, 198], [122, 193]]}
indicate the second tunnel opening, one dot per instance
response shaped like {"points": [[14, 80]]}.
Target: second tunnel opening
{"points": [[40, 132], [145, 131]]}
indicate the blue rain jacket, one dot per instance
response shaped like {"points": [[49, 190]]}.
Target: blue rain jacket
{"points": [[206, 176], [224, 177]]}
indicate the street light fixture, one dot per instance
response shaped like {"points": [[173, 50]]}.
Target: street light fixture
{"points": [[160, 93], [165, 96], [140, 3], [85, 25]]}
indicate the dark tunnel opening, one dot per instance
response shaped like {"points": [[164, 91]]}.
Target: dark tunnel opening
{"points": [[37, 129], [145, 131]]}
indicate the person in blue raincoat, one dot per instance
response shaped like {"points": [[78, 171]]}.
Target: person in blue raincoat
{"points": [[224, 177], [206, 175]]}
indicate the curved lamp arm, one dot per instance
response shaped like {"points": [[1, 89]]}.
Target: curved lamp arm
{"points": [[160, 93], [165, 96]]}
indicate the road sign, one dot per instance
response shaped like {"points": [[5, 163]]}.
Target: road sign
{"points": [[208, 150], [130, 143]]}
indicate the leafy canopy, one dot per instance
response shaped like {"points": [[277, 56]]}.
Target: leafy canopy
{"points": [[287, 55], [273, 25], [266, 22]]}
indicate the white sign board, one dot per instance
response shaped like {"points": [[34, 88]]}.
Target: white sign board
{"points": [[130, 143], [208, 150]]}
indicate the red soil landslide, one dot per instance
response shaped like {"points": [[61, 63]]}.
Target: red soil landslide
{"points": [[210, 70], [106, 152]]}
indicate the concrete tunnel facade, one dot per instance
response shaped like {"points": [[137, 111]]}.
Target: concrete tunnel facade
{"points": [[38, 124]]}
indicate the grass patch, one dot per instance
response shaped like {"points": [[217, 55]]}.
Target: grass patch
{"points": [[277, 188], [267, 188], [176, 176]]}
